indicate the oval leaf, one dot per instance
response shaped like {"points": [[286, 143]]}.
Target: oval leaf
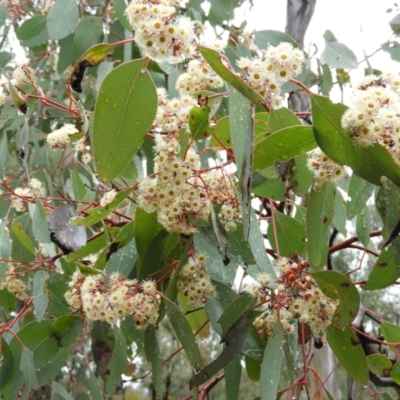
{"points": [[348, 350], [282, 145], [320, 208], [125, 109], [290, 234], [184, 333], [62, 19]]}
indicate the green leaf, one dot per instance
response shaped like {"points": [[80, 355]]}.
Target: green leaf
{"points": [[363, 226], [95, 391], [118, 362], [348, 350], [19, 251], [122, 239], [338, 55], [152, 350], [336, 285], [58, 389], [97, 214], [214, 59], [204, 241], [220, 235], [159, 248], [237, 338], [221, 11], [32, 27], [300, 177], [388, 205], [273, 38], [289, 233], [197, 318], [384, 273], [92, 246], [233, 313], [271, 188], [271, 366], [88, 33], [256, 241], [390, 332], [184, 333], [320, 209], [198, 122], [5, 247], [281, 118], [359, 192], [283, 145], [146, 229], [28, 369], [237, 247], [326, 81], [396, 372], [242, 134], [379, 364], [39, 222], [40, 300], [23, 237], [221, 133], [339, 216], [67, 328], [172, 290], [65, 54], [78, 187], [125, 109], [7, 363], [253, 368], [62, 19], [233, 374], [120, 7], [370, 163]]}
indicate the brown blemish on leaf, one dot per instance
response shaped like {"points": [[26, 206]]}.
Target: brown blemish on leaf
{"points": [[325, 220], [354, 342], [345, 284]]}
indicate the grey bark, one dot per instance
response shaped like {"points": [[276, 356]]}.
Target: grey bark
{"points": [[299, 14]]}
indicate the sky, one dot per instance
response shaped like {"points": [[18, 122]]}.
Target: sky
{"points": [[363, 25]]}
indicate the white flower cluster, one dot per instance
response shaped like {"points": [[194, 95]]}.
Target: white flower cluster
{"points": [[108, 197], [159, 34], [172, 115], [37, 186], [23, 74], [60, 138], [300, 299], [17, 202], [114, 299], [181, 194], [199, 76], [176, 193], [268, 73], [14, 285], [323, 168], [221, 191], [84, 150], [374, 115], [194, 281]]}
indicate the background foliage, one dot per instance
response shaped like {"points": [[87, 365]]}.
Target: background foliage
{"points": [[86, 70]]}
